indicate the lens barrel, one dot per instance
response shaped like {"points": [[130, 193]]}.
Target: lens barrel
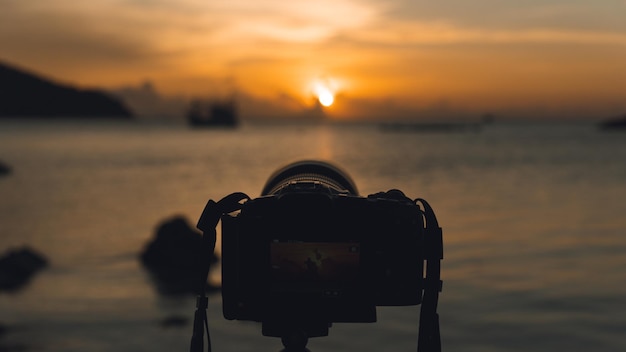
{"points": [[307, 171]]}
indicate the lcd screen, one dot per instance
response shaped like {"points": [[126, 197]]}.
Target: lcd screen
{"points": [[314, 262]]}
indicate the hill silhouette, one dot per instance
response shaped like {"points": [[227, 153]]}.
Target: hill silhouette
{"points": [[30, 95]]}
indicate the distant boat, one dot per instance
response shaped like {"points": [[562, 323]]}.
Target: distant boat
{"points": [[212, 114], [614, 123], [426, 127]]}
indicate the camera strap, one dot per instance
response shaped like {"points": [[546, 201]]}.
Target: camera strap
{"points": [[211, 215], [429, 337]]}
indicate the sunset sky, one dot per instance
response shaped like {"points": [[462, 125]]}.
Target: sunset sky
{"points": [[379, 59]]}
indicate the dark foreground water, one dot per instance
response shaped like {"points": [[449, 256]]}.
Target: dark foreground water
{"points": [[533, 216]]}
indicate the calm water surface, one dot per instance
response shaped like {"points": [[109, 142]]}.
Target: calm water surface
{"points": [[533, 218]]}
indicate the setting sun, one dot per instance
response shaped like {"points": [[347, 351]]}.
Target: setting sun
{"points": [[326, 98], [325, 92]]}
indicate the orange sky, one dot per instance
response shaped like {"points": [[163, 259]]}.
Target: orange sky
{"points": [[392, 59]]}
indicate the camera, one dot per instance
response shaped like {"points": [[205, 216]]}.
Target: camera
{"points": [[310, 251]]}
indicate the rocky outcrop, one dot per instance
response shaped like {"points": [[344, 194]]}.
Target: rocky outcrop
{"points": [[18, 266], [174, 257], [28, 95]]}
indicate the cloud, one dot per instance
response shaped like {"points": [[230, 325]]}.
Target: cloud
{"points": [[69, 36], [495, 14], [289, 21], [443, 33]]}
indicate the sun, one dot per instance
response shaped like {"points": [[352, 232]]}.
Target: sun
{"points": [[325, 97], [325, 92]]}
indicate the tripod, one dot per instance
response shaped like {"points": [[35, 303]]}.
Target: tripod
{"points": [[295, 342], [295, 334]]}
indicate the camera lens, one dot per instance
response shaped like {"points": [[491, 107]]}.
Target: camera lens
{"points": [[310, 171]]}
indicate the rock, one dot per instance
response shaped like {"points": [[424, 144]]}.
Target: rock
{"points": [[616, 123], [4, 169], [174, 257], [18, 266]]}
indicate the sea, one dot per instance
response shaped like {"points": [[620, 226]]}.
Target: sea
{"points": [[533, 217]]}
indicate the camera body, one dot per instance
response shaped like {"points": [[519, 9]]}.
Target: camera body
{"points": [[310, 253]]}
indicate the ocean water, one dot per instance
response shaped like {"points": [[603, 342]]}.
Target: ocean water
{"points": [[533, 217]]}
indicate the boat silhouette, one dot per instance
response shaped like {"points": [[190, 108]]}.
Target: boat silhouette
{"points": [[203, 113]]}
